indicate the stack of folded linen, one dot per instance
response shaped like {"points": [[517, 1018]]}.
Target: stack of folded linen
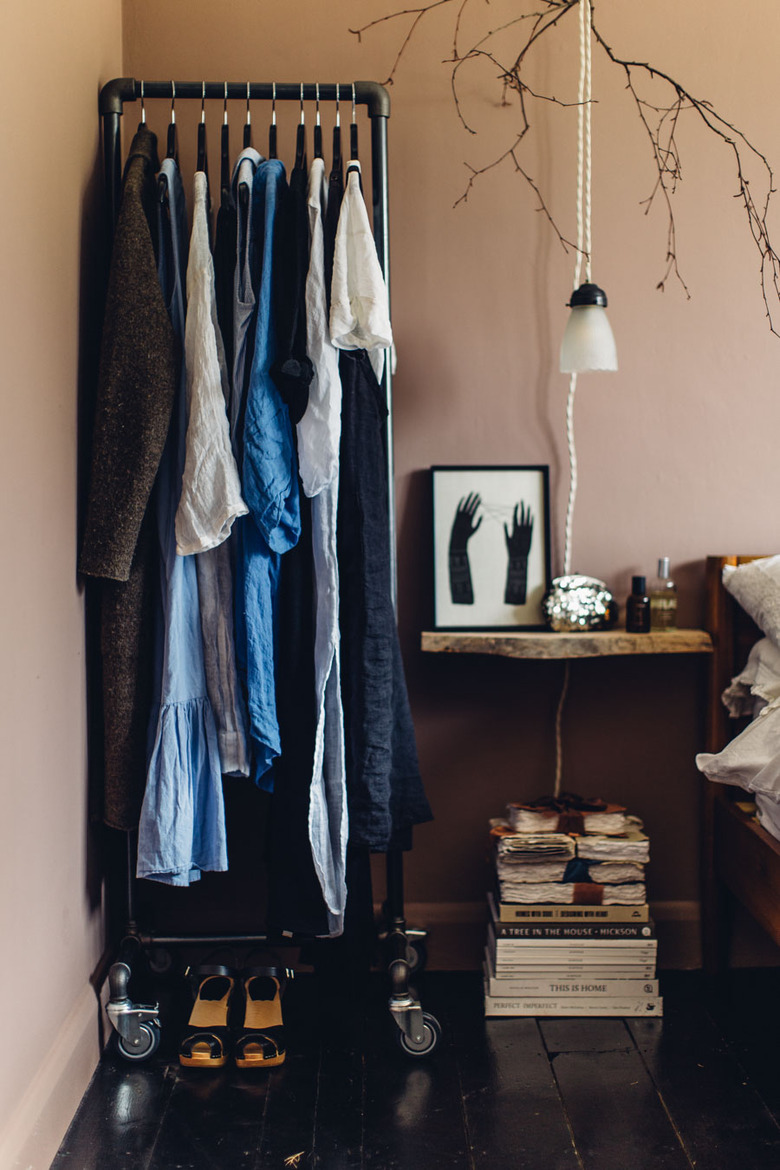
{"points": [[594, 867]]}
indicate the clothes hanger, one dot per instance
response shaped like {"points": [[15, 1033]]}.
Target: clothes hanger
{"points": [[224, 153], [272, 127], [143, 108], [300, 141], [247, 124], [317, 126], [353, 130], [336, 168], [243, 190], [202, 163], [172, 145]]}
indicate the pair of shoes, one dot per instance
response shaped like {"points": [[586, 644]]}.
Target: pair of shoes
{"points": [[238, 1013]]}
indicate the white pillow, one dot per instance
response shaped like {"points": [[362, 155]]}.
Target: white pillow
{"points": [[757, 684], [756, 586], [752, 759]]}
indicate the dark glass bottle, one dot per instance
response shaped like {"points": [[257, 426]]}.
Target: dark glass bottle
{"points": [[638, 607]]}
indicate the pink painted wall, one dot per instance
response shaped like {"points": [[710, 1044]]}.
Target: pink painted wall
{"points": [[676, 450], [52, 60]]}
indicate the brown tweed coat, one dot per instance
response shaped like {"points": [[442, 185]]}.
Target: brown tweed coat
{"points": [[137, 380]]}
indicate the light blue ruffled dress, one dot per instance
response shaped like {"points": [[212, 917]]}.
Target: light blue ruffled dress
{"points": [[182, 825]]}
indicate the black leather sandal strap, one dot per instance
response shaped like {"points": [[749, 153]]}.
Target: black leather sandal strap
{"points": [[210, 969], [270, 1039], [215, 1038], [195, 976], [280, 973]]}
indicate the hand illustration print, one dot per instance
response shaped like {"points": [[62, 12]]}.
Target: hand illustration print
{"points": [[463, 528], [518, 545]]}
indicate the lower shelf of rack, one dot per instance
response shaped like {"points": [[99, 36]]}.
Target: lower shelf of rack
{"points": [[548, 644]]}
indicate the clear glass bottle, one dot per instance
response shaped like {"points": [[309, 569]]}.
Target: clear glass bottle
{"points": [[638, 607], [663, 599]]}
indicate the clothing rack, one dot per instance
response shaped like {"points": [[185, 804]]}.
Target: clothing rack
{"points": [[137, 1025]]}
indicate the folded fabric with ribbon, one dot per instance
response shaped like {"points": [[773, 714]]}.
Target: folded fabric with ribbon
{"points": [[568, 813]]}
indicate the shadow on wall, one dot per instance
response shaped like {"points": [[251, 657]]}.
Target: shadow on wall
{"points": [[92, 288]]}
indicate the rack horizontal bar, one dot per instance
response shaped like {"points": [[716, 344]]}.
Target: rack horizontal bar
{"points": [[128, 89]]}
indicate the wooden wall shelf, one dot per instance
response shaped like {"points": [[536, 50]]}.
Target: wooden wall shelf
{"points": [[547, 644]]}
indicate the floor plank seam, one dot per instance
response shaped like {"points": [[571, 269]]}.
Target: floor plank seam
{"points": [[465, 1117], [675, 1128], [566, 1117], [733, 1050]]}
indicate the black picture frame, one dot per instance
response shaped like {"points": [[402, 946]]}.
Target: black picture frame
{"points": [[491, 546]]}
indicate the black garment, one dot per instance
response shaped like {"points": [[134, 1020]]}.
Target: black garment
{"points": [[335, 196], [384, 788], [225, 270], [292, 371], [295, 896], [139, 371]]}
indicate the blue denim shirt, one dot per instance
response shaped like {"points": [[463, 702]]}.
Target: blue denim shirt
{"points": [[182, 825], [269, 481]]}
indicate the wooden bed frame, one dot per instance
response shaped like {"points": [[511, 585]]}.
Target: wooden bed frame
{"points": [[739, 859]]}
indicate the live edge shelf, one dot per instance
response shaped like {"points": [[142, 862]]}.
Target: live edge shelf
{"points": [[547, 644]]}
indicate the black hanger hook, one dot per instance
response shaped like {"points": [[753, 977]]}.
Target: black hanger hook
{"points": [[272, 127], [317, 124], [353, 129], [248, 121], [300, 145], [172, 145]]}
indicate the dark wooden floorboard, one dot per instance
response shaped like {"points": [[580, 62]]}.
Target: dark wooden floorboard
{"points": [[413, 1111], [338, 1124], [617, 1119], [118, 1119], [292, 1089], [746, 1012], [514, 1116], [709, 1096], [694, 1089], [212, 1121]]}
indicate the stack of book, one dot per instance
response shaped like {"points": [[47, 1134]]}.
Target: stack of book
{"points": [[570, 931]]}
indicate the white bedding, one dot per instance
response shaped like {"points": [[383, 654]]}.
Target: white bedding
{"points": [[752, 759]]}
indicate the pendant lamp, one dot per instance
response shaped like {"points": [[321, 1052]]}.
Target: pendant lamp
{"points": [[588, 343]]}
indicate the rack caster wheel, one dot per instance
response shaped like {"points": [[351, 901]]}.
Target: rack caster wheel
{"points": [[416, 954], [160, 961], [143, 1046], [137, 1026], [431, 1035]]}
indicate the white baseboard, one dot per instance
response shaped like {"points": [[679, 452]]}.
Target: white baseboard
{"points": [[33, 1136]]}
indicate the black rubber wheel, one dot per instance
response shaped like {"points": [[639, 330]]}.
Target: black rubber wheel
{"points": [[150, 1042], [430, 1040], [160, 961], [416, 954]]}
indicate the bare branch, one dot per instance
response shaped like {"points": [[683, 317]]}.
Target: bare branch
{"points": [[660, 123]]}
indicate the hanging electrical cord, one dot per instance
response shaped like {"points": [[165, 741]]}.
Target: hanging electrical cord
{"points": [[584, 165]]}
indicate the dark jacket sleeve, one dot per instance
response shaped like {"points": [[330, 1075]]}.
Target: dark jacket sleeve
{"points": [[137, 380]]}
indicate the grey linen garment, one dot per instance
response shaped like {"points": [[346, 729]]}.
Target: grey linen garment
{"points": [[211, 492], [136, 384]]}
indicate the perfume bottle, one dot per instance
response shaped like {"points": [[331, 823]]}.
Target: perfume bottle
{"points": [[638, 607], [663, 599]]}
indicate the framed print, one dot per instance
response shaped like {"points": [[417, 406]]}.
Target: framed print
{"points": [[491, 543]]}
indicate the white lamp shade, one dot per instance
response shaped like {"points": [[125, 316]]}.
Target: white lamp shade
{"points": [[588, 342]]}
